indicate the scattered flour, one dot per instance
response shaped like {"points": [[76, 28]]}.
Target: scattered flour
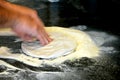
{"points": [[100, 38]]}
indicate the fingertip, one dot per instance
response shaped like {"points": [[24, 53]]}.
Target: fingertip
{"points": [[50, 40]]}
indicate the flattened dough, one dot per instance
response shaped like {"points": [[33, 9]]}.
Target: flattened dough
{"points": [[85, 47], [60, 46]]}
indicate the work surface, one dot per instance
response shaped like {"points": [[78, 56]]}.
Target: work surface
{"points": [[106, 66]]}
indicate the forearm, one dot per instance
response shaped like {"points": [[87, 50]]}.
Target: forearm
{"points": [[2, 0], [5, 4], [16, 8], [5, 18], [7, 14]]}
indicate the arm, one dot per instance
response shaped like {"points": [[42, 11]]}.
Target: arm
{"points": [[24, 22], [18, 8], [5, 15]]}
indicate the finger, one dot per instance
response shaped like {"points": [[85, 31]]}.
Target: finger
{"points": [[41, 25], [41, 31], [41, 39], [41, 28], [44, 36]]}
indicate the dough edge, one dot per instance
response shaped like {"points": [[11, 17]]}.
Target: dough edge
{"points": [[86, 46]]}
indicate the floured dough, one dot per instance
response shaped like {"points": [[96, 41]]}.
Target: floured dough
{"points": [[61, 45], [6, 54], [85, 47]]}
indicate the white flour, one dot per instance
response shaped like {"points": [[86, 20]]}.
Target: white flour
{"points": [[100, 38]]}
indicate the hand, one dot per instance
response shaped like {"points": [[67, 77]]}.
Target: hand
{"points": [[28, 27], [26, 23]]}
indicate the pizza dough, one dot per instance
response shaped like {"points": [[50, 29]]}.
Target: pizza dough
{"points": [[5, 53], [60, 46], [84, 46]]}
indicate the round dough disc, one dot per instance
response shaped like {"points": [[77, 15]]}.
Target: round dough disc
{"points": [[60, 46]]}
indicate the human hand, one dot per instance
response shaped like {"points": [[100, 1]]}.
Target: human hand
{"points": [[28, 28], [26, 23]]}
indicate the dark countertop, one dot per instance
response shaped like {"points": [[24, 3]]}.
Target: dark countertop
{"points": [[105, 67]]}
